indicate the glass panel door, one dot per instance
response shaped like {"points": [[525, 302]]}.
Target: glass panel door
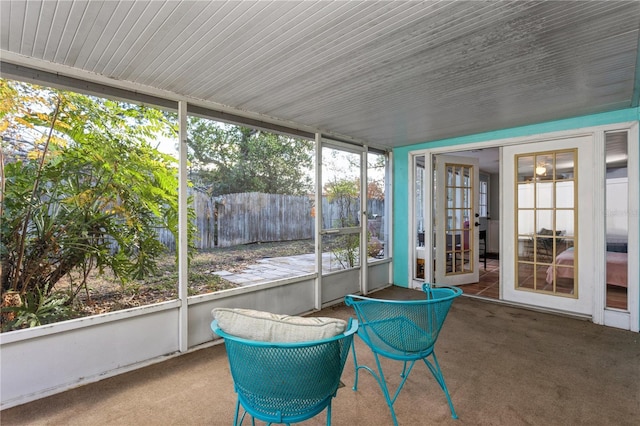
{"points": [[419, 252], [551, 187], [377, 220], [617, 220], [340, 242], [456, 219], [545, 222]]}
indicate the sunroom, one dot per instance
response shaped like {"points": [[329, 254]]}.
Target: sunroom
{"points": [[507, 130]]}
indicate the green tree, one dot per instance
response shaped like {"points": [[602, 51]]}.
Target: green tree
{"points": [[226, 159], [344, 194], [82, 188]]}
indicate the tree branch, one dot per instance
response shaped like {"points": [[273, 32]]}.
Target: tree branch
{"points": [[33, 196]]}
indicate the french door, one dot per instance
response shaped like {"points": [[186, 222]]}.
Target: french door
{"points": [[339, 211], [456, 225], [548, 201]]}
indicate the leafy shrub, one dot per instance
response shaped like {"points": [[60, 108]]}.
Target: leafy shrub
{"points": [[37, 309], [83, 190]]}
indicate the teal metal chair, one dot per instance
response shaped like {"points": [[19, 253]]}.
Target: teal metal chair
{"points": [[403, 330], [286, 382]]}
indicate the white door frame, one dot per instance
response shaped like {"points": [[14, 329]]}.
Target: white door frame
{"points": [[585, 244], [597, 132], [472, 231], [612, 317], [338, 279]]}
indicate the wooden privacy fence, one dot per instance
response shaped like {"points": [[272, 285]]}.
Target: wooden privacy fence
{"points": [[251, 217], [234, 219]]}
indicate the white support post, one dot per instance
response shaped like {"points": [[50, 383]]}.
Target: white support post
{"points": [[318, 222], [183, 241], [364, 226], [427, 207], [633, 295], [388, 213], [599, 233]]}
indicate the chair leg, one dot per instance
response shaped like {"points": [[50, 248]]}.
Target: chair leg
{"points": [[355, 363], [244, 414], [404, 369], [437, 374], [434, 368], [382, 382], [379, 377], [235, 417]]}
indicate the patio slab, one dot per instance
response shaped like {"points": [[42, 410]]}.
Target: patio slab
{"points": [[503, 366], [276, 268]]}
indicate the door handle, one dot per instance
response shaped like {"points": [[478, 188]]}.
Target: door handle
{"points": [[477, 224]]}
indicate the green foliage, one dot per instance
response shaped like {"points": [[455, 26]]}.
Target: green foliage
{"points": [[346, 250], [374, 246], [227, 159], [83, 188], [38, 309], [344, 193]]}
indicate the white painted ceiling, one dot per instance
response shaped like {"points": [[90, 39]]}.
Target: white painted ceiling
{"points": [[386, 73]]}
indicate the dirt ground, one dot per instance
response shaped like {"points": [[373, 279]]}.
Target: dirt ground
{"points": [[104, 294]]}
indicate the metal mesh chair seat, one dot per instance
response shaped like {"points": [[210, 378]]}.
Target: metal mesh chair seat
{"points": [[286, 382], [403, 330]]}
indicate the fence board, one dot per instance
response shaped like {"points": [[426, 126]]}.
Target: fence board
{"points": [[252, 217], [234, 219]]}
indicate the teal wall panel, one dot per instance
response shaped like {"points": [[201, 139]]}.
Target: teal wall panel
{"points": [[401, 225]]}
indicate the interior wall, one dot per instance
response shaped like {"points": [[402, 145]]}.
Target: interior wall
{"points": [[494, 196]]}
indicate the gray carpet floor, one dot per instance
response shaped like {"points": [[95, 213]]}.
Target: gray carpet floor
{"points": [[503, 366]]}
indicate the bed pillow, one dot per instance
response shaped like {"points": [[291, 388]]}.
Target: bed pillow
{"points": [[268, 327]]}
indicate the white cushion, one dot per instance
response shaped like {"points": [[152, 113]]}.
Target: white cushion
{"points": [[268, 327]]}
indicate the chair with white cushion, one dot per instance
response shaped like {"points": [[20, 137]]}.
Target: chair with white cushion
{"points": [[285, 369]]}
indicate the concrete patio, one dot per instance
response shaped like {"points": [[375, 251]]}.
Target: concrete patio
{"points": [[279, 268], [503, 366]]}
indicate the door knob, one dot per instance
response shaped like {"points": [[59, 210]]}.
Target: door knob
{"points": [[477, 223]]}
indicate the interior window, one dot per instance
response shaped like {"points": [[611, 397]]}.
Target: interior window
{"points": [[617, 219], [546, 212]]}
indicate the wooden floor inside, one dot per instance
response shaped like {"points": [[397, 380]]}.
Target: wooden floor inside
{"points": [[616, 297], [488, 286]]}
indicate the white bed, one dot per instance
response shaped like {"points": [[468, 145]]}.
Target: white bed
{"points": [[616, 267]]}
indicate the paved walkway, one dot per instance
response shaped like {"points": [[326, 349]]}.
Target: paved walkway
{"points": [[279, 268]]}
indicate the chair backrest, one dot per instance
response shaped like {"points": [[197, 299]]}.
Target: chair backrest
{"points": [[548, 240], [453, 241], [286, 382], [465, 235], [403, 329]]}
